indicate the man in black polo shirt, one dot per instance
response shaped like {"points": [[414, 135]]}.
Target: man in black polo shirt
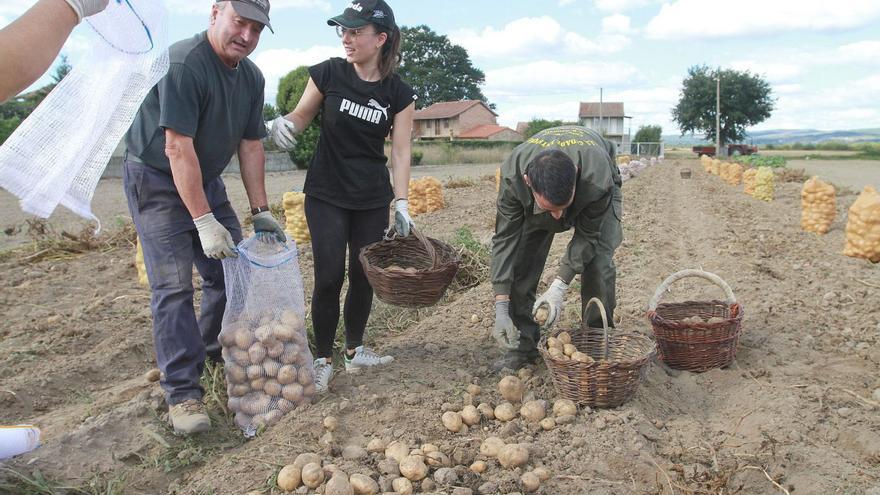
{"points": [[207, 108]]}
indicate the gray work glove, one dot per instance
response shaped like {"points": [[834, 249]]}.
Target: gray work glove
{"points": [[554, 298], [505, 331], [402, 221], [265, 222], [85, 8], [282, 133], [216, 240]]}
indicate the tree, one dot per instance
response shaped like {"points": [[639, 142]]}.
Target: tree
{"points": [[269, 112], [290, 90], [437, 69], [648, 134], [537, 125], [745, 101], [62, 70]]}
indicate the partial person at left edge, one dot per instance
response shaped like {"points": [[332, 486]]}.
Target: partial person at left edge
{"points": [[207, 108], [43, 29]]}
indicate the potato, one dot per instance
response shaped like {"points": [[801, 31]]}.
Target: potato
{"points": [[452, 421], [287, 374], [564, 407], [542, 473], [429, 447], [272, 387], [312, 475], [258, 384], [243, 420], [264, 335], [376, 445], [254, 371], [234, 403], [292, 392], [227, 336], [580, 357], [402, 486], [413, 468], [533, 410], [478, 467], [243, 339], [564, 338], [473, 389], [486, 410], [491, 446], [505, 411], [396, 450], [290, 353], [275, 349], [363, 485], [568, 349], [273, 416], [271, 368], [470, 415], [339, 485], [290, 318], [289, 478], [511, 388], [513, 456], [285, 406], [554, 342], [306, 458], [542, 315], [715, 319], [547, 424], [308, 392], [524, 374], [236, 373], [436, 458], [239, 390], [556, 353], [305, 376], [530, 482], [331, 423], [283, 333]]}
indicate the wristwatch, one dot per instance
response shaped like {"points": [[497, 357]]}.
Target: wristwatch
{"points": [[259, 209]]}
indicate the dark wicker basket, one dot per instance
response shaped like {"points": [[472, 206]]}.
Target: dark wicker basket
{"points": [[692, 346], [435, 264], [685, 173], [620, 362]]}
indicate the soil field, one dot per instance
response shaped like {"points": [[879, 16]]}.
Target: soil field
{"points": [[796, 413], [855, 174]]}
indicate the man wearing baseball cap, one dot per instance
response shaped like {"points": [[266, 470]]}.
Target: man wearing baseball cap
{"points": [[206, 109]]}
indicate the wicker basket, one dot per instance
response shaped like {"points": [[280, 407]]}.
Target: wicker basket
{"points": [[685, 173], [432, 264], [620, 362], [693, 346]]}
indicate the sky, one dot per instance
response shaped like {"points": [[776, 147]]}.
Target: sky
{"points": [[541, 58]]}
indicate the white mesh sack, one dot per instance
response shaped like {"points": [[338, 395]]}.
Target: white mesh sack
{"points": [[269, 368], [57, 155]]}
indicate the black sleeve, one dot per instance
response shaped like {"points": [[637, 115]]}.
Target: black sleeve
{"points": [[256, 128], [321, 74], [180, 100], [403, 96]]}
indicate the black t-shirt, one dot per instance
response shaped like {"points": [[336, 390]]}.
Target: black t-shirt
{"points": [[203, 98], [349, 167]]}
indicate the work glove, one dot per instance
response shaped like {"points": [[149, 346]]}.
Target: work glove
{"points": [[554, 298], [216, 240], [505, 331], [85, 8], [402, 221], [282, 133], [265, 222]]}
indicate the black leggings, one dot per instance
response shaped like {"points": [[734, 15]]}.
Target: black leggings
{"points": [[333, 229]]}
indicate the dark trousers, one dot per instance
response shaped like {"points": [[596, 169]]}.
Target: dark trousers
{"points": [[171, 247], [335, 230]]}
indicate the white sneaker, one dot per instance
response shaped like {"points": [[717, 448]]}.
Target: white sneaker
{"points": [[364, 357], [323, 373]]}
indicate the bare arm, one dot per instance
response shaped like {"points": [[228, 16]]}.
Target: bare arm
{"points": [[30, 44], [186, 172], [401, 150], [308, 106], [252, 162]]}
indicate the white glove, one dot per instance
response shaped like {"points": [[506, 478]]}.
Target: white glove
{"points": [[402, 221], [85, 8], [282, 133], [265, 222], [554, 298], [505, 331], [216, 240]]}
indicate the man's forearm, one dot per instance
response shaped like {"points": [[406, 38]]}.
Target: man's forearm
{"points": [[252, 163], [187, 176]]}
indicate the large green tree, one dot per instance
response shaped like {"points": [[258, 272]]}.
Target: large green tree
{"points": [[290, 89], [648, 134], [746, 100], [437, 69], [537, 125]]}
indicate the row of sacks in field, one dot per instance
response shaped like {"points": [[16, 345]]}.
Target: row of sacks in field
{"points": [[636, 167], [818, 205]]}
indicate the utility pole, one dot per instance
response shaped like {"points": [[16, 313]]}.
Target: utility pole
{"points": [[718, 113], [601, 124]]}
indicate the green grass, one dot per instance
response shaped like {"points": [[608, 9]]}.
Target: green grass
{"points": [[475, 259], [762, 161], [14, 482]]}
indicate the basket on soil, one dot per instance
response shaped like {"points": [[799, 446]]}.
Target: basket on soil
{"points": [[412, 271], [696, 335], [618, 361], [685, 173]]}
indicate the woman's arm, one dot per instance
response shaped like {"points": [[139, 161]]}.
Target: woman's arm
{"points": [[401, 150]]}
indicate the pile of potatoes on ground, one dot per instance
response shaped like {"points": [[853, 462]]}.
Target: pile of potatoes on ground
{"points": [[269, 369]]}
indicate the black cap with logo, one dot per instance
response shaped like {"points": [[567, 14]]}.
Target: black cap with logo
{"points": [[255, 10], [360, 13]]}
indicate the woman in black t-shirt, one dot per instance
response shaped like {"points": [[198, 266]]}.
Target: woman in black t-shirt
{"points": [[348, 187]]}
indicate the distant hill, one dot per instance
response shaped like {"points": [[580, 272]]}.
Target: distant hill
{"points": [[786, 136]]}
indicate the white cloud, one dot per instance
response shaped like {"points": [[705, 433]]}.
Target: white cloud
{"points": [[621, 5], [867, 52], [696, 18], [203, 7], [276, 63], [617, 23], [787, 89], [530, 37], [512, 112], [15, 8], [774, 72], [563, 3], [557, 78]]}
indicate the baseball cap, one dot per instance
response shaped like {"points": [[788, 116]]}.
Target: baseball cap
{"points": [[362, 12], [255, 10]]}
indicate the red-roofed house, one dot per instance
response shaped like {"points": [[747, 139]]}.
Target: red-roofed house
{"points": [[606, 117], [491, 132], [449, 119]]}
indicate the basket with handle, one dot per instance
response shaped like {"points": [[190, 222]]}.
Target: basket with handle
{"points": [[696, 335], [412, 271], [617, 362]]}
